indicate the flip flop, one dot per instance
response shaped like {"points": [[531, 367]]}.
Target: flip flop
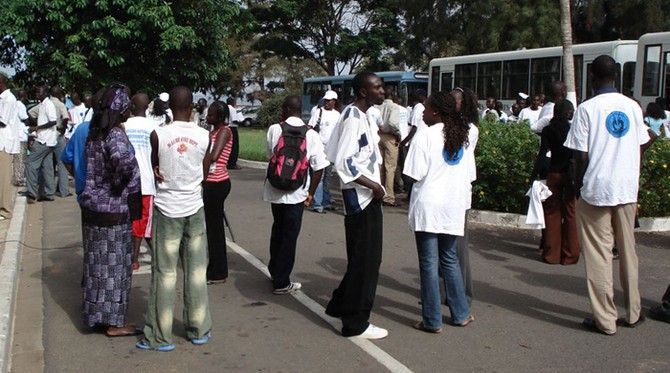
{"points": [[419, 326], [142, 345], [134, 332]]}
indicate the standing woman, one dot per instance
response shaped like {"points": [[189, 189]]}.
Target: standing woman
{"points": [[561, 243], [110, 200], [438, 163], [215, 190]]}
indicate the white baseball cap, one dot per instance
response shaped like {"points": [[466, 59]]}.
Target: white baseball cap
{"points": [[165, 97], [330, 95]]}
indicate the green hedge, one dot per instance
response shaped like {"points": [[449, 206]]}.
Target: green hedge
{"points": [[505, 155], [270, 111]]}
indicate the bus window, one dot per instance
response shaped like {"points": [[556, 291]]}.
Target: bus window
{"points": [[447, 82], [667, 81], [488, 79], [466, 75], [543, 71], [617, 80], [579, 69], [515, 78], [435, 79], [628, 78], [652, 70]]}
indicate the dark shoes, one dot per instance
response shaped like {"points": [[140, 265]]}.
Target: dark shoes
{"points": [[591, 325], [659, 313], [623, 322], [45, 199]]}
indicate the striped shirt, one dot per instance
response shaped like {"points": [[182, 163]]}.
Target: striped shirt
{"points": [[218, 171]]}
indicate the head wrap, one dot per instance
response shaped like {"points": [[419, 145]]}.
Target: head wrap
{"points": [[121, 101]]}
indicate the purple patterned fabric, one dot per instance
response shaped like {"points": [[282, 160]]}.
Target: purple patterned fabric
{"points": [[111, 174]]}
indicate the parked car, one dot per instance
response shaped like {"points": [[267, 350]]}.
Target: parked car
{"points": [[250, 114]]}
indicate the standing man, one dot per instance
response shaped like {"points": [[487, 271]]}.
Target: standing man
{"points": [[606, 134], [200, 117], [21, 133], [40, 158], [62, 119], [531, 113], [288, 205], [355, 154], [324, 120], [139, 128], [8, 119], [234, 124], [557, 93], [178, 157], [389, 137]]}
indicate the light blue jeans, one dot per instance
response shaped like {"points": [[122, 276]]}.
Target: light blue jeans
{"points": [[322, 193], [434, 249]]}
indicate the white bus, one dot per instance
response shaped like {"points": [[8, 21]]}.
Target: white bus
{"points": [[503, 75], [652, 76]]}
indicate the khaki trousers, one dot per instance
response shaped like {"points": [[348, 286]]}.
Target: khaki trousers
{"points": [[6, 191], [388, 146], [598, 228]]}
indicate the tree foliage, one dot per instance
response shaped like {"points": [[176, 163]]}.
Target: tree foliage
{"points": [[150, 44], [337, 34]]}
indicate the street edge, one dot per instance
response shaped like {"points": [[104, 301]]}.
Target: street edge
{"points": [[9, 274], [503, 219]]}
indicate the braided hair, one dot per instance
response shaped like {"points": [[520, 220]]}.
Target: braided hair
{"points": [[469, 109], [456, 127], [222, 112], [109, 111]]}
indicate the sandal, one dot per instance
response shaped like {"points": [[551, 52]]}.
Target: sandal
{"points": [[419, 326], [126, 331], [467, 321], [142, 345]]}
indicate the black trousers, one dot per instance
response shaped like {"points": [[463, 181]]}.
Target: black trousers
{"points": [[214, 196], [235, 149], [283, 241], [353, 299]]}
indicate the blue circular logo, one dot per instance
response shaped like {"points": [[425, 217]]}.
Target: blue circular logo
{"points": [[618, 124], [453, 159]]}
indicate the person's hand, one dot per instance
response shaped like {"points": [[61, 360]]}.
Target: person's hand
{"points": [[157, 175], [309, 200], [32, 128], [378, 192]]}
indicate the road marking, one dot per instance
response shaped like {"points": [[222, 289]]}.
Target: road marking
{"points": [[373, 350]]}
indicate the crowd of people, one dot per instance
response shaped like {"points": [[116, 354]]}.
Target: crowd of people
{"points": [[157, 170]]}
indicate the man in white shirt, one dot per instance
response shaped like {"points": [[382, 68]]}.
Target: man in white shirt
{"points": [[138, 129], [178, 154], [354, 152], [288, 205], [558, 93], [21, 136], [42, 151], [531, 113], [8, 119], [324, 120], [63, 117], [606, 134], [235, 120], [389, 138], [415, 116], [403, 124]]}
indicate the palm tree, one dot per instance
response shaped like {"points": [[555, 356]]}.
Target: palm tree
{"points": [[568, 60]]}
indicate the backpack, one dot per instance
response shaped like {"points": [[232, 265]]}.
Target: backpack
{"points": [[287, 169]]}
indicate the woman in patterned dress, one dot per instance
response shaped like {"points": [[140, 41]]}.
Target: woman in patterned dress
{"points": [[110, 200]]}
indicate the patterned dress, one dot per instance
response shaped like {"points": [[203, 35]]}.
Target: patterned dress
{"points": [[112, 181]]}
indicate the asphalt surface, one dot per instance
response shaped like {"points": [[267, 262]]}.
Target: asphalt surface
{"points": [[528, 314]]}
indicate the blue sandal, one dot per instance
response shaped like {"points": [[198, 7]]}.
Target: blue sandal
{"points": [[142, 345]]}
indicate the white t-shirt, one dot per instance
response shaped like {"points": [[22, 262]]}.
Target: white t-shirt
{"points": [[47, 113], [375, 116], [315, 155], [666, 125], [61, 111], [328, 122], [610, 128], [9, 117], [544, 118], [181, 149], [77, 114], [22, 129], [473, 137], [234, 116], [440, 193], [139, 131], [529, 114], [403, 121], [416, 117], [353, 149]]}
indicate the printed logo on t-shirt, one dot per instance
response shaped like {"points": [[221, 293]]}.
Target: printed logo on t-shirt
{"points": [[453, 159], [618, 124], [182, 148]]}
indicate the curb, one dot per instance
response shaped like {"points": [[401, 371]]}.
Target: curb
{"points": [[503, 219], [9, 274]]}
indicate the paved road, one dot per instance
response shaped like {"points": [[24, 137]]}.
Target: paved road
{"points": [[527, 313]]}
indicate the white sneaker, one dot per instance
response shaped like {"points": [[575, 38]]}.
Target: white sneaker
{"points": [[372, 332], [291, 288]]}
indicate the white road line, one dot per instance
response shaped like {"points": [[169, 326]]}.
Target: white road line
{"points": [[373, 350]]}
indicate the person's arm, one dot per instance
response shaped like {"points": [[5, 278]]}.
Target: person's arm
{"points": [[581, 163], [407, 139], [206, 161], [377, 189], [541, 155], [154, 157], [313, 184]]}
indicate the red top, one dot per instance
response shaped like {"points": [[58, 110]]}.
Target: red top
{"points": [[218, 171]]}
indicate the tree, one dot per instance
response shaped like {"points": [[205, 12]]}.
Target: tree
{"points": [[149, 44], [568, 59], [336, 34]]}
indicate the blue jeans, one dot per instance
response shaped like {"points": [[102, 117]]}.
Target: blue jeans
{"points": [[432, 248], [322, 194]]}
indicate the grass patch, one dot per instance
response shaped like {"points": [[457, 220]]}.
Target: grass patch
{"points": [[252, 144]]}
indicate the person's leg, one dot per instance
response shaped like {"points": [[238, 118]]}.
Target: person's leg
{"points": [[197, 319], [390, 164], [431, 306], [317, 201], [552, 245], [164, 257], [48, 173], [570, 251], [398, 183], [214, 196], [364, 236], [594, 227], [283, 257], [38, 153], [662, 311], [63, 180], [18, 166], [623, 218], [453, 280], [325, 188], [6, 191], [463, 253]]}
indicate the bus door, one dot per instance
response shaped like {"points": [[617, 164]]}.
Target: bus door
{"points": [[447, 82], [666, 80]]}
